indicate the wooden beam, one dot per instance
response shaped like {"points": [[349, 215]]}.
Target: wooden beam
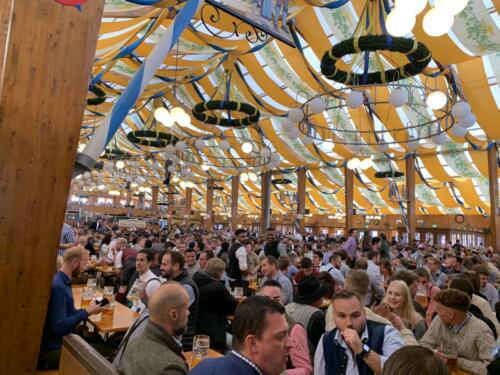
{"points": [[189, 203], [210, 205], [301, 197], [349, 198], [410, 197], [46, 54], [265, 202], [235, 187], [170, 209], [154, 199], [494, 202]]}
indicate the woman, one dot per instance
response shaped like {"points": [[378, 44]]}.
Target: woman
{"points": [[386, 272], [398, 300], [106, 256]]}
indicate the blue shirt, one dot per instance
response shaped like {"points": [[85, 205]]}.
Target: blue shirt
{"points": [[229, 365], [62, 316]]}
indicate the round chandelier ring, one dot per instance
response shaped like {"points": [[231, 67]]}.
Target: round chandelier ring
{"points": [[251, 113], [151, 138], [426, 127], [418, 54]]}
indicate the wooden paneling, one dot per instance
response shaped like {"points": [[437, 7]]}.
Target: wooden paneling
{"points": [[46, 59], [410, 196], [235, 187], [210, 205], [189, 203]]}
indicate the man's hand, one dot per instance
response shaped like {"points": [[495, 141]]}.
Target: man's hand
{"points": [[352, 339], [382, 310], [93, 308], [442, 356], [396, 321]]}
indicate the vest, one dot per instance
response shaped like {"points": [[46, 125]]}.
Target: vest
{"points": [[187, 337], [271, 248], [233, 270], [336, 358], [302, 314]]}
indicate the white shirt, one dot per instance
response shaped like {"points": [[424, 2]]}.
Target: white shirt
{"points": [[150, 287], [118, 259], [332, 270], [241, 255]]}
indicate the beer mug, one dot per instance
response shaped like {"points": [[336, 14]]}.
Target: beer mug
{"points": [[108, 292], [87, 297], [450, 351], [92, 283], [201, 346]]}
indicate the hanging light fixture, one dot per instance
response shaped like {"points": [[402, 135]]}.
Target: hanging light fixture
{"points": [[205, 167], [252, 176], [244, 177], [436, 100], [366, 164], [400, 22], [414, 7], [247, 147], [437, 22], [353, 163], [120, 164]]}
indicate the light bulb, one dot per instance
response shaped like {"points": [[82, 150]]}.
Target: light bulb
{"points": [[184, 120], [247, 147], [437, 22], [414, 7], [458, 131], [317, 105], [460, 109], [353, 163], [161, 113], [398, 97], [205, 167], [296, 115], [452, 6], [366, 163], [288, 125], [120, 164], [244, 177], [180, 146], [354, 99], [436, 100], [176, 113], [252, 177], [467, 121], [399, 22]]}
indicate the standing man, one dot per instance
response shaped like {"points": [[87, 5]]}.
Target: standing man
{"points": [[357, 345], [269, 268], [172, 268], [274, 246], [351, 246], [62, 317], [67, 239], [237, 259], [261, 344]]}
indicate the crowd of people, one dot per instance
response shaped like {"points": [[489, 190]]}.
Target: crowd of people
{"points": [[312, 304]]}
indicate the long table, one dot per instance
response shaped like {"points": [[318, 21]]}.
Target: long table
{"points": [[119, 321], [211, 354]]}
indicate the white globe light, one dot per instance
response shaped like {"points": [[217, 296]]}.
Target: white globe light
{"points": [[288, 125], [399, 22], [414, 7], [199, 144], [244, 177], [184, 120], [436, 100], [161, 114], [275, 158], [467, 121], [398, 97], [452, 6], [184, 172], [205, 167], [247, 147], [120, 164], [182, 184], [353, 163], [180, 146], [224, 145], [252, 177], [437, 22], [366, 163], [413, 143], [169, 150], [176, 113], [266, 152], [328, 145], [317, 105], [458, 131], [296, 115], [293, 134], [460, 109], [355, 99], [171, 169]]}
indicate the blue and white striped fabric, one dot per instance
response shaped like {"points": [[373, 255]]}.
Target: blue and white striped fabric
{"points": [[129, 97]]}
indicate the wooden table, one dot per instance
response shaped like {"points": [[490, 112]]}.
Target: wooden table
{"points": [[106, 270], [211, 354], [120, 321]]}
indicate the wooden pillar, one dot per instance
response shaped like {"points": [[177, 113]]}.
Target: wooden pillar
{"points": [[189, 202], [170, 209], [129, 202], [265, 201], [349, 198], [46, 53], [235, 186], [410, 197], [494, 203], [154, 199], [209, 223], [301, 197]]}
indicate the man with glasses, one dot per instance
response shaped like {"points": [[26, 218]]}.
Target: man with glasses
{"points": [[237, 255]]}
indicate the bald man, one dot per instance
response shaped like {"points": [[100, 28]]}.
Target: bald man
{"points": [[156, 351]]}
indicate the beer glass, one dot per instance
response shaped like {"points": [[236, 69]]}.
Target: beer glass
{"points": [[108, 292], [450, 351], [201, 345], [238, 292], [87, 296], [92, 283]]}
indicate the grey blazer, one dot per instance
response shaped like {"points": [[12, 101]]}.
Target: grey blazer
{"points": [[154, 352]]}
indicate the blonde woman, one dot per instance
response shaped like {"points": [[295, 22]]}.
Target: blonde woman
{"points": [[398, 304]]}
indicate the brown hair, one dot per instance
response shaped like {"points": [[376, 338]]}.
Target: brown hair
{"points": [[76, 252], [482, 269], [453, 299], [357, 281], [414, 360]]}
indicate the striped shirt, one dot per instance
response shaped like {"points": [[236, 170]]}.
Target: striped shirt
{"points": [[67, 236], [458, 328]]}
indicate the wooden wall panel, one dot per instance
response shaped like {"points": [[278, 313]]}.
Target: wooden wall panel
{"points": [[46, 60]]}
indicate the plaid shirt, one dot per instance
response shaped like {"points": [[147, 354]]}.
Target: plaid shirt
{"points": [[67, 236], [458, 328]]}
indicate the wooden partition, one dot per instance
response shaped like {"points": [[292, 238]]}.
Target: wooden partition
{"points": [[46, 52]]}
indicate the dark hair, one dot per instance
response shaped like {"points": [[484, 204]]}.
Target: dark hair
{"points": [[408, 277], [107, 238], [283, 262], [372, 254], [250, 318], [347, 294], [328, 278], [343, 254], [149, 254], [209, 253], [176, 257], [271, 260], [190, 250], [271, 282], [306, 263], [375, 240], [351, 231], [482, 269], [422, 272], [462, 283], [453, 299], [414, 360], [319, 254], [148, 244], [239, 231]]}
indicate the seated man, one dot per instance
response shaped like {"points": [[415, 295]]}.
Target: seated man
{"points": [[357, 345], [143, 281], [62, 317], [306, 269], [269, 268], [261, 344], [456, 326], [156, 351]]}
